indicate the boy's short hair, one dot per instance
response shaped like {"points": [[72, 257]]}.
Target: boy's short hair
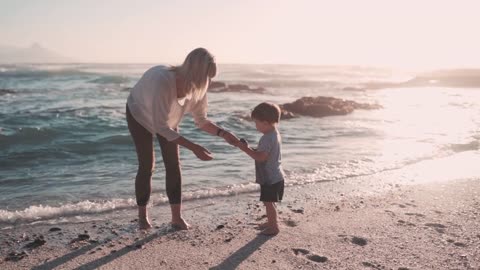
{"points": [[267, 111]]}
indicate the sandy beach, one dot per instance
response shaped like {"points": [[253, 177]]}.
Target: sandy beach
{"points": [[385, 222]]}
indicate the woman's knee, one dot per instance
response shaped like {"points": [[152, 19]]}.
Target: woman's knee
{"points": [[146, 169], [172, 165]]}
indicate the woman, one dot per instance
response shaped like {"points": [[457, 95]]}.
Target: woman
{"points": [[156, 106]]}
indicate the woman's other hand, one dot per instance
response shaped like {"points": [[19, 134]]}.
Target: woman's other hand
{"points": [[202, 153]]}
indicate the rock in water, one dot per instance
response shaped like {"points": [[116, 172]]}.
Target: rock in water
{"points": [[217, 87], [323, 106]]}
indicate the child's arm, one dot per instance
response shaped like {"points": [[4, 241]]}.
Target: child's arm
{"points": [[256, 155]]}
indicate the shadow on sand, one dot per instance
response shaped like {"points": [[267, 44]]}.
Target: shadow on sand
{"points": [[105, 259], [234, 260]]}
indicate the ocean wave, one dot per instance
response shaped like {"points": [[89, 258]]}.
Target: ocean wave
{"points": [[6, 92], [463, 147], [80, 110], [110, 79], [454, 78], [38, 74], [37, 213], [28, 136], [281, 83], [45, 212], [63, 73], [116, 140]]}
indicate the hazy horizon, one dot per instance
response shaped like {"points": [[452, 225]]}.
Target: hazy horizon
{"points": [[408, 34]]}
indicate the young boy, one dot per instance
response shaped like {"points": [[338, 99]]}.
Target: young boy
{"points": [[268, 160]]}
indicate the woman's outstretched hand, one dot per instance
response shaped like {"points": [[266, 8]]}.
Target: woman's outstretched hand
{"points": [[230, 138], [202, 153]]}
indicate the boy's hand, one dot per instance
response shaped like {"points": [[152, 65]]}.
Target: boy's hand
{"points": [[242, 144], [230, 138]]}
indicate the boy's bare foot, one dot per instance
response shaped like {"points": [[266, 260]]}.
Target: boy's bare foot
{"points": [[180, 224], [144, 224], [262, 226], [270, 231]]}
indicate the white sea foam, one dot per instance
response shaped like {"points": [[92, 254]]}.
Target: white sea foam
{"points": [[40, 212], [81, 210]]}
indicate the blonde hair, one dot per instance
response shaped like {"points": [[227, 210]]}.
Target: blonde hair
{"points": [[196, 71]]}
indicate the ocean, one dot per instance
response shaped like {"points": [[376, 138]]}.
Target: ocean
{"points": [[65, 150]]}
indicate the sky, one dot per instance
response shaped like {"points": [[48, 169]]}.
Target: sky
{"points": [[406, 33]]}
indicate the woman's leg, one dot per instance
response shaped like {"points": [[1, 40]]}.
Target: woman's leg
{"points": [[146, 162], [173, 180]]}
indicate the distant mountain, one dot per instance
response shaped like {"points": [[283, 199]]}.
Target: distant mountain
{"points": [[33, 54]]}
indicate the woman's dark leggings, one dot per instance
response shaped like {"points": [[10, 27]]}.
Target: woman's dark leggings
{"points": [[146, 163]]}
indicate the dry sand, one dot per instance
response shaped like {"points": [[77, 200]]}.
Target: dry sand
{"points": [[404, 223]]}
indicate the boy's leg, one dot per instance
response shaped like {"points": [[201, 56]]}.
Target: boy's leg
{"points": [[263, 226], [269, 194], [267, 224], [272, 227]]}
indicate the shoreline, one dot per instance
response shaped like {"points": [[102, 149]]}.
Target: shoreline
{"points": [[393, 220], [437, 170]]}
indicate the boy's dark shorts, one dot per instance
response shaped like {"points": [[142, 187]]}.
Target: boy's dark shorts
{"points": [[272, 193]]}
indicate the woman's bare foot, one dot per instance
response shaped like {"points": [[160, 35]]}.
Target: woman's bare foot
{"points": [[143, 221], [177, 220], [180, 224], [144, 224], [271, 230]]}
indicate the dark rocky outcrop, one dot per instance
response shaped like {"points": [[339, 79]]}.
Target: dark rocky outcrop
{"points": [[214, 87], [217, 87], [323, 106], [353, 88]]}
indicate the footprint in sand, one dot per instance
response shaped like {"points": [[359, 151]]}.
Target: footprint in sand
{"points": [[415, 214], [399, 205], [374, 266], [355, 240], [435, 225], [459, 244], [359, 241], [317, 258], [298, 211], [391, 213], [403, 222], [311, 257], [290, 223], [300, 251], [440, 228]]}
